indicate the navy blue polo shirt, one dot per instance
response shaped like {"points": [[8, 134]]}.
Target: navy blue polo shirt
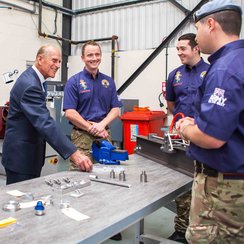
{"points": [[182, 85], [91, 98], [220, 109]]}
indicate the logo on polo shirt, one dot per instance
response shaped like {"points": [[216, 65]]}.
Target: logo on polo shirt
{"points": [[218, 97], [84, 86], [203, 74], [177, 79], [105, 83]]}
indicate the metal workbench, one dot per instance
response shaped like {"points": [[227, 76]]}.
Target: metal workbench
{"points": [[111, 208]]}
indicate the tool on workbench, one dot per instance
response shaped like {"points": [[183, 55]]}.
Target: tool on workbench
{"points": [[66, 179], [57, 181], [7, 222], [39, 209], [112, 174], [171, 139], [68, 186], [49, 182], [111, 182], [11, 206], [143, 176], [122, 176], [77, 193], [105, 153]]}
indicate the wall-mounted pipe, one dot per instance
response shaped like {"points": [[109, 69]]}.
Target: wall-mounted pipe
{"points": [[69, 41], [113, 56], [12, 5], [65, 39], [92, 9], [155, 53], [66, 33]]}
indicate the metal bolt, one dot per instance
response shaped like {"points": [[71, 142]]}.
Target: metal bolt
{"points": [[143, 176], [120, 176], [123, 174], [112, 174]]}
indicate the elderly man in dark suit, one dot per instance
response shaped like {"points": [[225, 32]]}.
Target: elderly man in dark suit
{"points": [[29, 124]]}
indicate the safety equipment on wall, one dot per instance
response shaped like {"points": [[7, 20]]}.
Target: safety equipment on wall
{"points": [[8, 76]]}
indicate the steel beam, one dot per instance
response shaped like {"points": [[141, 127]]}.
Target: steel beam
{"points": [[177, 161]]}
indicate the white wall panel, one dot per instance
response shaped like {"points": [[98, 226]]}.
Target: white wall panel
{"points": [[138, 27]]}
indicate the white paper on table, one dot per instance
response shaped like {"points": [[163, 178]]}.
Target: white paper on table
{"points": [[74, 214], [16, 193], [101, 168], [28, 204]]}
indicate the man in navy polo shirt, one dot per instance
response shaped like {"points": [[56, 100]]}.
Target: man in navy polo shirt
{"points": [[217, 131], [91, 103], [184, 81], [181, 90]]}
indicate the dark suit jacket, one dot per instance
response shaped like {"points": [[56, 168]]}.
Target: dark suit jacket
{"points": [[29, 126]]}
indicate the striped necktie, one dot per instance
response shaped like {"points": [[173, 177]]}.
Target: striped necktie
{"points": [[45, 87]]}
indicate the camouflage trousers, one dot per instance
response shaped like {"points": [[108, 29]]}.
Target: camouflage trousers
{"points": [[217, 210], [83, 141], [183, 204]]}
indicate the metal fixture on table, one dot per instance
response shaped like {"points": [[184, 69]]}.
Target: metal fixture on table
{"points": [[105, 153], [143, 176], [171, 139]]}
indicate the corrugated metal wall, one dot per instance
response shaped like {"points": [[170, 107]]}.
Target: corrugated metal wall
{"points": [[138, 27]]}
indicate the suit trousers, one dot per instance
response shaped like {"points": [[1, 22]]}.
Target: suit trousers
{"points": [[14, 177]]}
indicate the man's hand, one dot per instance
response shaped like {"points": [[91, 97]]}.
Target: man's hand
{"points": [[182, 124], [82, 161], [103, 134], [97, 129]]}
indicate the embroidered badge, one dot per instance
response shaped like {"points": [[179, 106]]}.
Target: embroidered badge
{"points": [[178, 76], [105, 83], [84, 86], [202, 75], [177, 81], [218, 97]]}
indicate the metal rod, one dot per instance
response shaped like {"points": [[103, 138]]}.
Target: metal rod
{"points": [[92, 9], [166, 63], [110, 6], [113, 58], [111, 182], [157, 137], [114, 37], [20, 7]]}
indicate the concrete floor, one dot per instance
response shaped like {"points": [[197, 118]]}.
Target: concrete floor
{"points": [[160, 223]]}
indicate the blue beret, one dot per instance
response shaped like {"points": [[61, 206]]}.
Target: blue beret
{"points": [[216, 6]]}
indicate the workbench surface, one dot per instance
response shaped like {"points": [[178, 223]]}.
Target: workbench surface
{"points": [[111, 208]]}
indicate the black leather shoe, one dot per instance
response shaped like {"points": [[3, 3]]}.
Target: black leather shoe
{"points": [[117, 237], [178, 236]]}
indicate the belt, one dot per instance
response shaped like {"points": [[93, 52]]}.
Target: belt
{"points": [[204, 169], [76, 128]]}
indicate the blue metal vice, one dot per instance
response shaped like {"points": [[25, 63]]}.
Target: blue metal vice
{"points": [[105, 153]]}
